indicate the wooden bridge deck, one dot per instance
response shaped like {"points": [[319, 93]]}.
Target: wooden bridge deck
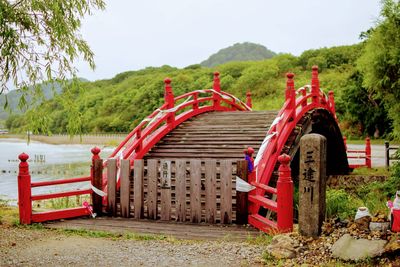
{"points": [[169, 229]]}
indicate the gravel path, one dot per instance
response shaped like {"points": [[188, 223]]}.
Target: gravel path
{"points": [[23, 247]]}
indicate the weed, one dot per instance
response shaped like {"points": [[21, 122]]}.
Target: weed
{"points": [[261, 240], [114, 236], [341, 204]]}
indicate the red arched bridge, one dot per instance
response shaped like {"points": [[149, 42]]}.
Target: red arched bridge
{"points": [[183, 161]]}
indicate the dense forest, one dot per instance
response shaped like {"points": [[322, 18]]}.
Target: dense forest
{"points": [[364, 77]]}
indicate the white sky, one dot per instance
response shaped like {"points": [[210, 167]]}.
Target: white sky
{"points": [[131, 35]]}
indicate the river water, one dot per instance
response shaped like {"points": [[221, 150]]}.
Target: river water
{"points": [[46, 162]]}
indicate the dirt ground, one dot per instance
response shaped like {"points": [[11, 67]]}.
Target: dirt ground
{"points": [[31, 247]]}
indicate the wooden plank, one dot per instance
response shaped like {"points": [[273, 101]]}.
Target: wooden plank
{"points": [[195, 185], [241, 197], [180, 190], [111, 187], [211, 186], [152, 171], [165, 176], [138, 197], [97, 182], [226, 191], [125, 187]]}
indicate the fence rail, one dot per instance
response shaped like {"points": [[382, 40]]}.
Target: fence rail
{"points": [[25, 196], [388, 156], [360, 154]]}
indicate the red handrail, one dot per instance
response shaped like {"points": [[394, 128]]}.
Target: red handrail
{"points": [[160, 122], [292, 111]]}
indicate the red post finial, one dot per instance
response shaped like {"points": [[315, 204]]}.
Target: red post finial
{"points": [[168, 94], [315, 82], [95, 151], [169, 100], [217, 89], [285, 191], [248, 99], [23, 157], [216, 85], [290, 93], [331, 98]]}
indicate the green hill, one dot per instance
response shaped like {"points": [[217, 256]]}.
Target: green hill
{"points": [[120, 103], [238, 52], [13, 98]]}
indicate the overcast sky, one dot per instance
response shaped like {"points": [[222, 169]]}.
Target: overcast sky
{"points": [[131, 35]]}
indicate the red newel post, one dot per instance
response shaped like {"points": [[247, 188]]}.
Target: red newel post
{"points": [[285, 195], [331, 97], [195, 103], [290, 94], [248, 100], [368, 152], [138, 136], [24, 190], [217, 88], [315, 84], [169, 99], [345, 142], [97, 179]]}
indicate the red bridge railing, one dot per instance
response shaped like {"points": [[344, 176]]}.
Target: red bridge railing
{"points": [[353, 154], [173, 112], [297, 104], [25, 196]]}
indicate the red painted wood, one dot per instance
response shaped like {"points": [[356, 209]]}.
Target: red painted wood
{"points": [[217, 88], [262, 223], [63, 181], [59, 214], [265, 202], [61, 194], [368, 152], [285, 195], [24, 190], [248, 100]]}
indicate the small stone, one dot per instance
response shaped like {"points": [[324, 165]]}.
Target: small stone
{"points": [[348, 248]]}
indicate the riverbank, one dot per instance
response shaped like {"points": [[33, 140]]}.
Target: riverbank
{"points": [[58, 139]]}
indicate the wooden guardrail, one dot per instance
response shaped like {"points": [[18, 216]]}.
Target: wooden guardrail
{"points": [[181, 190]]}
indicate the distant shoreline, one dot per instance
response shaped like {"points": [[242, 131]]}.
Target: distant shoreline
{"points": [[60, 139]]}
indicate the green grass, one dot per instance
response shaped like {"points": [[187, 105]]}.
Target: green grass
{"points": [[373, 171], [9, 215], [261, 240]]}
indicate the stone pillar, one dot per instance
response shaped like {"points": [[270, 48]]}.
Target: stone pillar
{"points": [[312, 184]]}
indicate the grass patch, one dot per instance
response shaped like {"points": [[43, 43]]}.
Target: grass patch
{"points": [[60, 203], [114, 236], [373, 171], [9, 215], [261, 240], [341, 204]]}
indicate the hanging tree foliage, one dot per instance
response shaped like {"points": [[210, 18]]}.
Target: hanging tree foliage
{"points": [[40, 40]]}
